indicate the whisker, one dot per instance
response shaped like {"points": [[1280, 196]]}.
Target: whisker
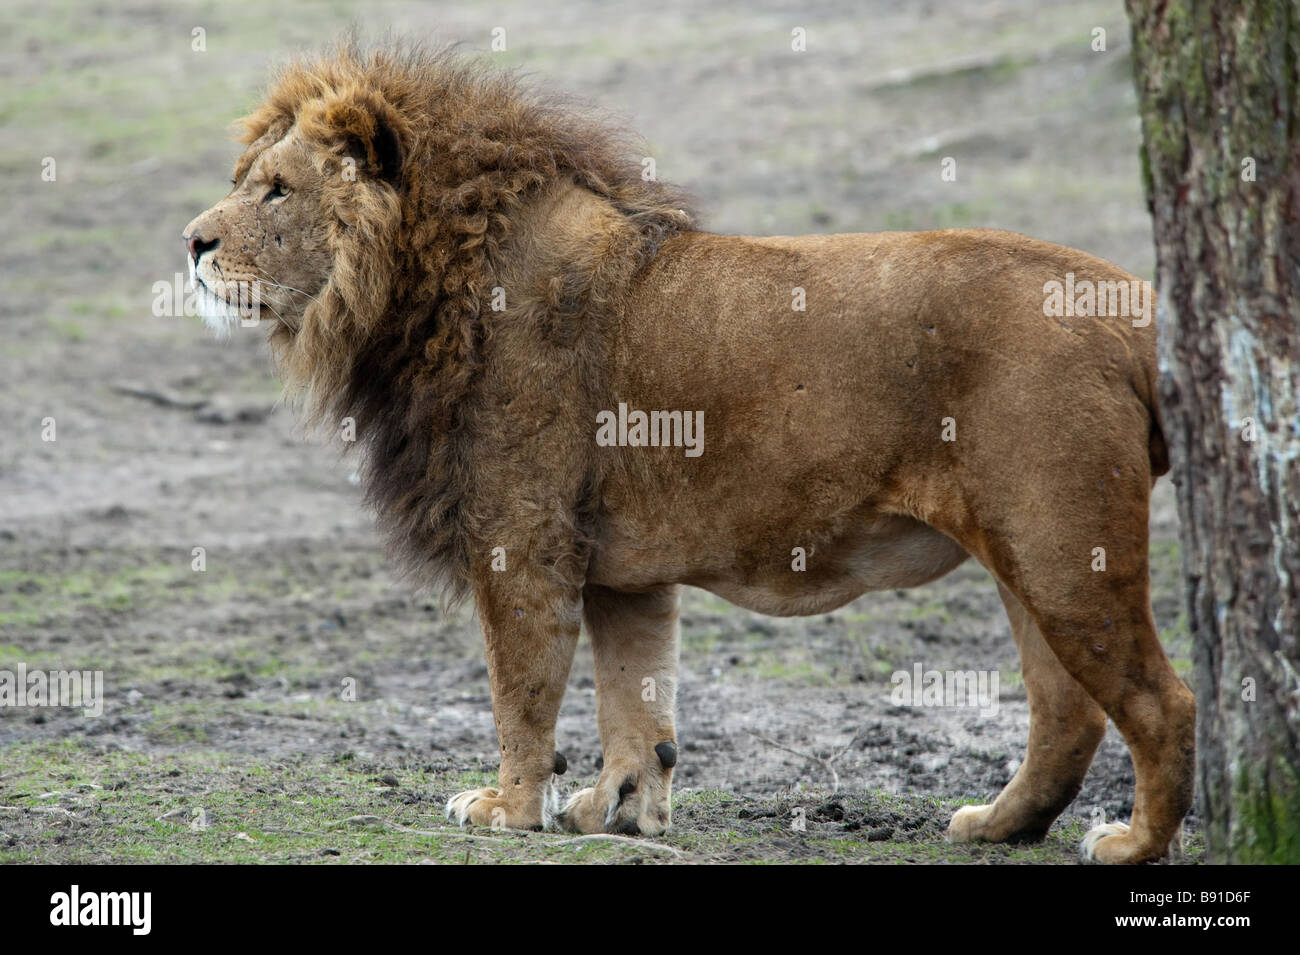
{"points": [[266, 278], [287, 288]]}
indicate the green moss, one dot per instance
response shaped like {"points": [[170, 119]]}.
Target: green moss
{"points": [[1267, 801]]}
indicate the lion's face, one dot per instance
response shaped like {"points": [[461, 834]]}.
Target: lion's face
{"points": [[265, 245]]}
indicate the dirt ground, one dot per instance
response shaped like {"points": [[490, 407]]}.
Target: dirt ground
{"points": [[225, 735]]}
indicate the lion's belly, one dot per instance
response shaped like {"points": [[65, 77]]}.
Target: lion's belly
{"points": [[886, 553], [906, 554]]}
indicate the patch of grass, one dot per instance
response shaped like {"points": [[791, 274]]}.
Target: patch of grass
{"points": [[68, 803], [800, 671], [72, 802], [931, 610], [1010, 679], [35, 596], [702, 639]]}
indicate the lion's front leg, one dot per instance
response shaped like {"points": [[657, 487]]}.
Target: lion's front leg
{"points": [[634, 639], [531, 632]]}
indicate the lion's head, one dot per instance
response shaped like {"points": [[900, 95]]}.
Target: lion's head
{"points": [[307, 232], [266, 243]]}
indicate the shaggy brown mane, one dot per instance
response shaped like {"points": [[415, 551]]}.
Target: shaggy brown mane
{"points": [[448, 154]]}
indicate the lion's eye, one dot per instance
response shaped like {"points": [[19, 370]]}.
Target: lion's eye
{"points": [[278, 191]]}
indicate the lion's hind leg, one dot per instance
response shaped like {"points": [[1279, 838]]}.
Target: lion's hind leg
{"points": [[1101, 629], [1097, 620], [1065, 728]]}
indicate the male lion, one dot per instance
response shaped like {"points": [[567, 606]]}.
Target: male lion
{"points": [[487, 286]]}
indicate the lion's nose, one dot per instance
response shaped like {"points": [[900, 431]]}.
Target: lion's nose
{"points": [[198, 245]]}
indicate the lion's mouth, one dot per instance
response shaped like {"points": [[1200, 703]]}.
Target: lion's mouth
{"points": [[219, 310]]}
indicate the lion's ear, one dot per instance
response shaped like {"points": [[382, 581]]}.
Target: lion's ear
{"points": [[371, 132]]}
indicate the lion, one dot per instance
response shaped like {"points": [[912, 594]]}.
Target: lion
{"points": [[571, 401]]}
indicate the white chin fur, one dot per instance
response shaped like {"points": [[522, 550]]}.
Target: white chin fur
{"points": [[218, 314]]}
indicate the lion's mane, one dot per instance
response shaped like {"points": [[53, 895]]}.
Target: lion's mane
{"points": [[448, 153]]}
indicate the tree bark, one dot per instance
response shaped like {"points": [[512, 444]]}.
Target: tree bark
{"points": [[1219, 95]]}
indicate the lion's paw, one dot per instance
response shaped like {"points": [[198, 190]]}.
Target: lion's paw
{"points": [[967, 823], [487, 807], [990, 823], [631, 803], [475, 807], [1115, 844]]}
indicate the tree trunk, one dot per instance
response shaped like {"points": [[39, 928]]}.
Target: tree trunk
{"points": [[1220, 101]]}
